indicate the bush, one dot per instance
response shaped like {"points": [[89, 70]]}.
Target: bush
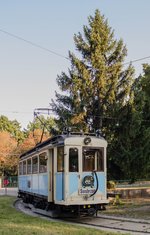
{"points": [[111, 184]]}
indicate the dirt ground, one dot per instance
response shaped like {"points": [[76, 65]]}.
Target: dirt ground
{"points": [[137, 208]]}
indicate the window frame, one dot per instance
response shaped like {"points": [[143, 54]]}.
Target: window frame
{"points": [[24, 166], [70, 163], [29, 172], [43, 168], [95, 162], [101, 167], [36, 170], [60, 159]]}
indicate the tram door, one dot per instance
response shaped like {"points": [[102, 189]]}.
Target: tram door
{"points": [[59, 194], [51, 175], [73, 171]]}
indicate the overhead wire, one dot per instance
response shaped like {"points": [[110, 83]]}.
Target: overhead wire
{"points": [[51, 113], [6, 111], [33, 43], [136, 60], [54, 52], [57, 54], [18, 112]]}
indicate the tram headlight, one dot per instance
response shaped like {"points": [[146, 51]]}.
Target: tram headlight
{"points": [[87, 140]]}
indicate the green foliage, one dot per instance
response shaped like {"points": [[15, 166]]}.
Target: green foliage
{"points": [[142, 104], [47, 124], [111, 184], [130, 148], [99, 93], [96, 84], [117, 201], [13, 127]]}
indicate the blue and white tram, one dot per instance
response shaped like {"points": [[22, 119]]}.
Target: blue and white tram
{"points": [[66, 173]]}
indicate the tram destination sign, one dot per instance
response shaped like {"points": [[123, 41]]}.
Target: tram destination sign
{"points": [[86, 191]]}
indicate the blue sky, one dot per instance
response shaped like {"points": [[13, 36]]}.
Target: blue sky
{"points": [[28, 74]]}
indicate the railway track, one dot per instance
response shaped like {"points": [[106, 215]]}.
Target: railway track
{"points": [[109, 223], [118, 224]]}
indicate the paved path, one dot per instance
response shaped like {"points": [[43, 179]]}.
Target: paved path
{"points": [[9, 191]]}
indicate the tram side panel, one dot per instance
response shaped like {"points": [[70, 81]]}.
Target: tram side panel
{"points": [[32, 178]]}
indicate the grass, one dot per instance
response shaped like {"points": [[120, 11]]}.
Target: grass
{"points": [[13, 222]]}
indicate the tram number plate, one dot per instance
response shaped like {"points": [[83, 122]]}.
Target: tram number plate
{"points": [[86, 191]]}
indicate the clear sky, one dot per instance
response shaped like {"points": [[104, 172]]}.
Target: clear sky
{"points": [[28, 74]]}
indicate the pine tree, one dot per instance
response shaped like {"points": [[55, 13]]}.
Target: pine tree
{"points": [[96, 84]]}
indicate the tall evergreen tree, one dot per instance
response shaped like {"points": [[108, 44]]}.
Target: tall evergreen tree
{"points": [[96, 85]]}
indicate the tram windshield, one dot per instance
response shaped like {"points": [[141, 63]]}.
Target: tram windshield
{"points": [[73, 160], [93, 159]]}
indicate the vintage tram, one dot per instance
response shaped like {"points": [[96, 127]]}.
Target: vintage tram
{"points": [[65, 174]]}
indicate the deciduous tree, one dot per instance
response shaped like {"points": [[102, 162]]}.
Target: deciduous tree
{"points": [[42, 123], [130, 148], [32, 140], [13, 127], [8, 153]]}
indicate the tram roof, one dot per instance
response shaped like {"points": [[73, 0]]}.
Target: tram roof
{"points": [[59, 139]]}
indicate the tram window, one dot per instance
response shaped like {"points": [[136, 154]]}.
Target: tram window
{"points": [[73, 160], [24, 167], [29, 166], [35, 165], [42, 163], [100, 160], [88, 159], [93, 159], [20, 168], [60, 159]]}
